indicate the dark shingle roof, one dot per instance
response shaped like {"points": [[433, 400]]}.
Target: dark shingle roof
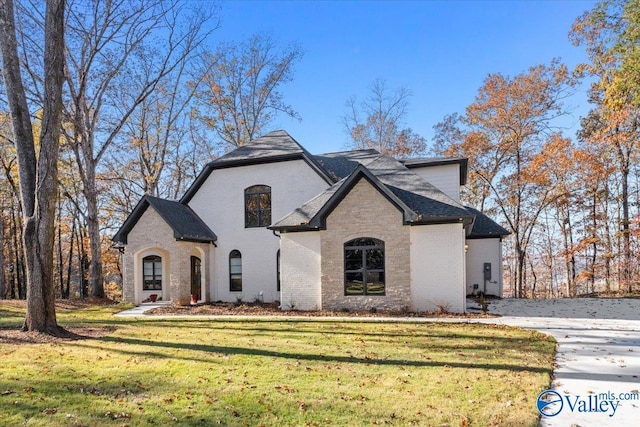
{"points": [[339, 165], [184, 222], [485, 227], [420, 201], [276, 146], [272, 145]]}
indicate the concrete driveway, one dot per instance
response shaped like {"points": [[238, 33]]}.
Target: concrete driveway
{"points": [[597, 375]]}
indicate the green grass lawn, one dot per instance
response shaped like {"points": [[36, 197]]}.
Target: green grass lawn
{"points": [[273, 373]]}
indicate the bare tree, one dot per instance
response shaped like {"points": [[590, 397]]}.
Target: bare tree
{"points": [[38, 172], [378, 122], [110, 43], [3, 280], [241, 95]]}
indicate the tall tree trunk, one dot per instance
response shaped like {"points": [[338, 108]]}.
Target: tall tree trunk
{"points": [[626, 243], [60, 266], [67, 289], [609, 242], [594, 245], [87, 168], [96, 283], [38, 176], [3, 281], [17, 254], [521, 255]]}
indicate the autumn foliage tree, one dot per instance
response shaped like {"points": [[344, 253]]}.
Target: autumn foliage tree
{"points": [[611, 34], [505, 133]]}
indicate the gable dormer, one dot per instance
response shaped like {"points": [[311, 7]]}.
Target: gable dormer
{"points": [[446, 174]]}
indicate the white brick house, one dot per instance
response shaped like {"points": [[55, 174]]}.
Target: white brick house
{"points": [[353, 230]]}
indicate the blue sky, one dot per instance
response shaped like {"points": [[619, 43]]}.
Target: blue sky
{"points": [[440, 50]]}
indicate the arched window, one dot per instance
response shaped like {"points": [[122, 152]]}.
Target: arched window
{"points": [[152, 273], [364, 267], [257, 206], [235, 271]]}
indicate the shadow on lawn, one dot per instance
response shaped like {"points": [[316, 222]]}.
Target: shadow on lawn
{"points": [[228, 350], [322, 327]]}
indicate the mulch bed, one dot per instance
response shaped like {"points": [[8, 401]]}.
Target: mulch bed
{"points": [[272, 309]]}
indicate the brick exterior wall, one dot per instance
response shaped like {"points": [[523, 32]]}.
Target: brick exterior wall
{"points": [[481, 251], [220, 204], [364, 212], [152, 236], [438, 268], [300, 271]]}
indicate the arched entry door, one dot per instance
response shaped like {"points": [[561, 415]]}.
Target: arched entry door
{"points": [[196, 275]]}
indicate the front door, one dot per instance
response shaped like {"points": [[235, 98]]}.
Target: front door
{"points": [[195, 277]]}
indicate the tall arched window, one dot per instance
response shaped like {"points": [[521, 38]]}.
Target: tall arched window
{"points": [[278, 270], [235, 271], [257, 206], [152, 273], [364, 267]]}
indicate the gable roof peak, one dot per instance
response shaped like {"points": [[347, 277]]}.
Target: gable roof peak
{"points": [[274, 133], [275, 146], [184, 222]]}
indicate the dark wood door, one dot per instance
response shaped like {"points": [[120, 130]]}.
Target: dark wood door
{"points": [[196, 267]]}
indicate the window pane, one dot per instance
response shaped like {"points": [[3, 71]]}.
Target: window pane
{"points": [[152, 273], [354, 285], [375, 283], [251, 202], [148, 268], [235, 271], [375, 259], [252, 218], [363, 241], [353, 259], [235, 265], [265, 200], [265, 217], [236, 283], [364, 257], [157, 269], [257, 206]]}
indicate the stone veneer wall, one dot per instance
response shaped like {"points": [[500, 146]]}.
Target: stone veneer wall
{"points": [[365, 212], [152, 235]]}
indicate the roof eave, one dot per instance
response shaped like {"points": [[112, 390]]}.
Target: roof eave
{"points": [[487, 236], [293, 228], [226, 164], [465, 220], [196, 239]]}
